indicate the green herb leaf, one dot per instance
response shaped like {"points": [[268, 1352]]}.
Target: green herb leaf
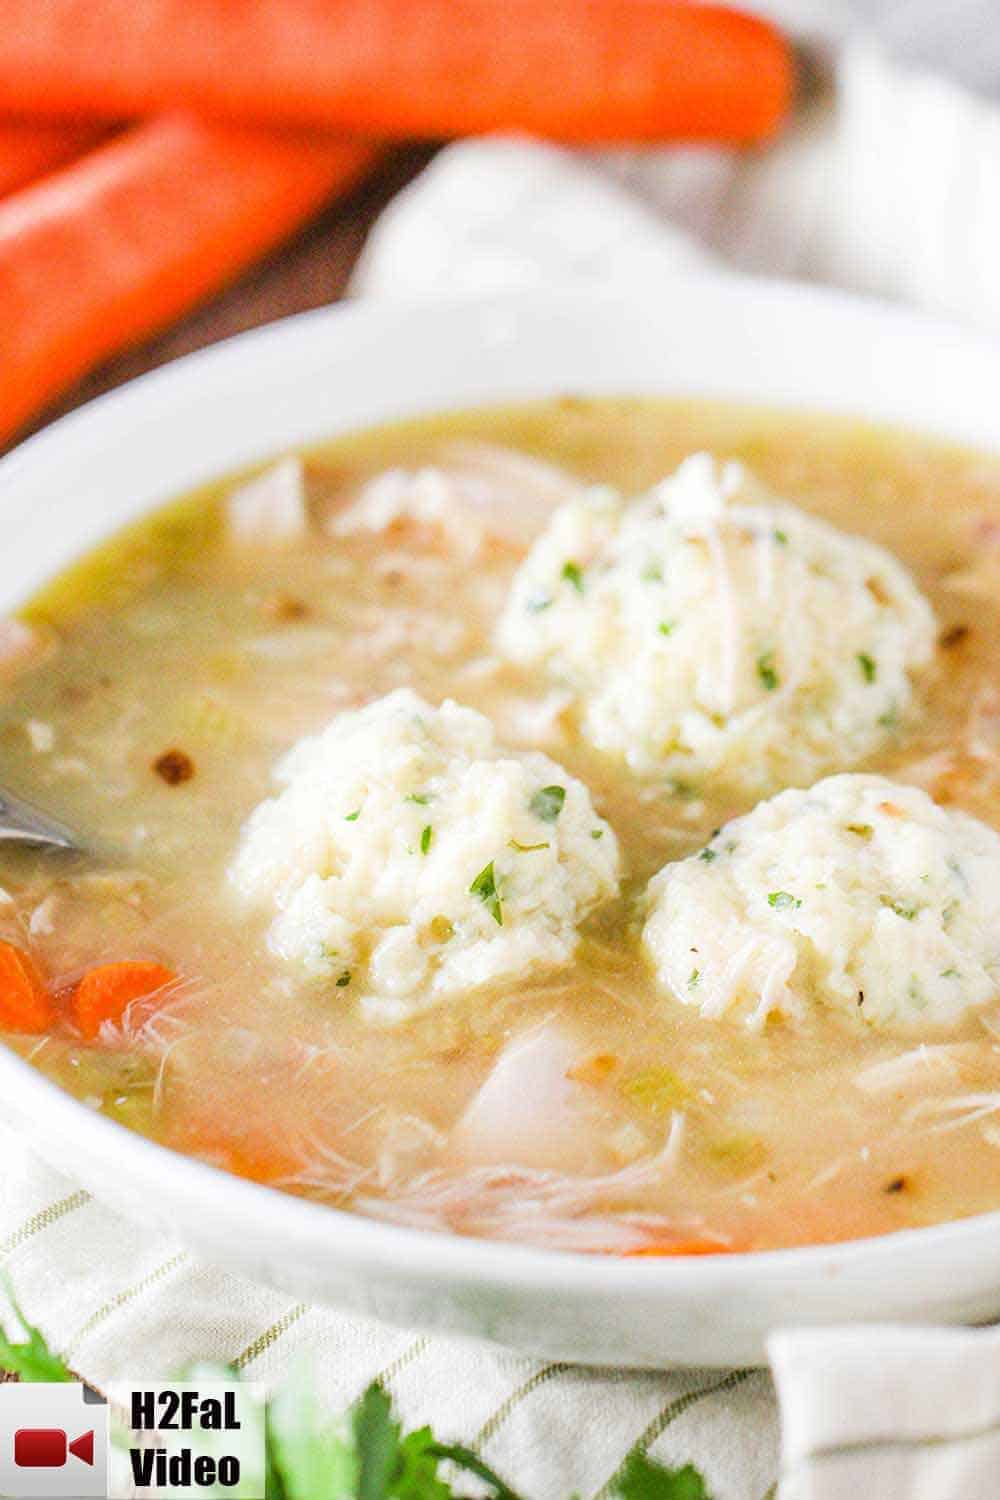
{"points": [[426, 839], [376, 1440], [420, 798], [31, 1360], [417, 1476], [573, 574], [307, 1453], [782, 900], [344, 980], [485, 887], [693, 978], [708, 855], [641, 1478], [781, 537], [667, 627], [867, 665], [767, 671], [547, 803], [597, 833], [354, 816], [465, 1459]]}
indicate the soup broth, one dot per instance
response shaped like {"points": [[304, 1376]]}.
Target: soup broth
{"points": [[171, 669]]}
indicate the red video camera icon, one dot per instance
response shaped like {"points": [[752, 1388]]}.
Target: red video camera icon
{"points": [[48, 1448]]}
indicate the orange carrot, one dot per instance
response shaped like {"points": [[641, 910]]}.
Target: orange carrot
{"points": [[106, 251], [682, 1247], [261, 1163], [579, 70], [246, 1147], [106, 993], [24, 999], [30, 148]]}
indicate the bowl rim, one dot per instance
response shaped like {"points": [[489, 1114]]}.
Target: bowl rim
{"points": [[219, 1195]]}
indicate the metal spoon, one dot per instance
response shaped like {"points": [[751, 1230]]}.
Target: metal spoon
{"points": [[21, 824]]}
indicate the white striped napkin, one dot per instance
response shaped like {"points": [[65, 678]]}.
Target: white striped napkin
{"points": [[890, 184]]}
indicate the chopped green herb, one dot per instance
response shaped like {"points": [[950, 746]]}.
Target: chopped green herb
{"points": [[889, 719], [782, 900], [693, 978], [354, 816], [667, 627], [781, 537], [766, 671], [573, 574], [867, 665], [683, 789], [861, 830], [485, 887], [906, 912], [426, 839], [526, 848], [537, 603], [708, 855], [949, 973], [547, 803], [597, 833], [420, 798], [344, 980], [652, 573]]}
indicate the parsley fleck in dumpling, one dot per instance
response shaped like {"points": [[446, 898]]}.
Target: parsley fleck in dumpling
{"points": [[859, 894], [408, 858], [709, 629]]}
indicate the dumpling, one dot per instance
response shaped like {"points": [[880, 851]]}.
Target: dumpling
{"points": [[407, 858], [709, 630], [859, 894]]}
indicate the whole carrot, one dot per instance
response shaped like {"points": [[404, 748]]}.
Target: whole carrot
{"points": [[30, 148], [576, 70], [117, 245]]}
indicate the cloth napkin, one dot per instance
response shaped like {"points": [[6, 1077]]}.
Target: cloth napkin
{"points": [[891, 184]]}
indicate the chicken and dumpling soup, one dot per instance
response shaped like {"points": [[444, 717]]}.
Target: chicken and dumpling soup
{"points": [[571, 824]]}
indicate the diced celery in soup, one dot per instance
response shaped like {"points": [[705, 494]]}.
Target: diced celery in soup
{"points": [[571, 824]]}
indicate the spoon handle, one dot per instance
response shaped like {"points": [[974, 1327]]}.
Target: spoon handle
{"points": [[22, 824]]}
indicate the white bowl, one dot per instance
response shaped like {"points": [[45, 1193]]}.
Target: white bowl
{"points": [[328, 371]]}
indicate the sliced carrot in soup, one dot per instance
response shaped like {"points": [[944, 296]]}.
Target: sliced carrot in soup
{"points": [[682, 1247], [25, 1004], [106, 993]]}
